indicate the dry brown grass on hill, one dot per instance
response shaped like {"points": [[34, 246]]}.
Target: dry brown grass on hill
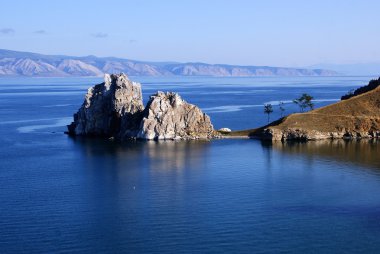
{"points": [[360, 113]]}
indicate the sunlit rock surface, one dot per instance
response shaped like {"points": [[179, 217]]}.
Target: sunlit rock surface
{"points": [[168, 116]]}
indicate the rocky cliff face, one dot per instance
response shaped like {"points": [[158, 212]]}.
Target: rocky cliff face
{"points": [[307, 134], [168, 116], [115, 109], [109, 108]]}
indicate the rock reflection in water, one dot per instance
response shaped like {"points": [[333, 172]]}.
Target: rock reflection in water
{"points": [[171, 155], [361, 152], [156, 155]]}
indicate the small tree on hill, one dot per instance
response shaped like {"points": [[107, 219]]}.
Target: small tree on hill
{"points": [[282, 108], [268, 109], [305, 101]]}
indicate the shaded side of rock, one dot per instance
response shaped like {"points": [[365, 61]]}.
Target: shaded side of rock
{"points": [[168, 116], [109, 109]]}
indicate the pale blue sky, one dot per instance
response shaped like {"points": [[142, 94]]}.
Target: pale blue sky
{"points": [[280, 33]]}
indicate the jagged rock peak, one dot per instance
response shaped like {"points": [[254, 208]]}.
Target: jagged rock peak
{"points": [[107, 106]]}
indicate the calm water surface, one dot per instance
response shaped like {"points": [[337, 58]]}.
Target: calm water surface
{"points": [[59, 194]]}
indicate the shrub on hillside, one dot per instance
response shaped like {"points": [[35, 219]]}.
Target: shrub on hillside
{"points": [[371, 85]]}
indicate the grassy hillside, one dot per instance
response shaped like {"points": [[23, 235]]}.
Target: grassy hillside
{"points": [[360, 113]]}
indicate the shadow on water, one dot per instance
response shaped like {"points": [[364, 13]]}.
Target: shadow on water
{"points": [[359, 152]]}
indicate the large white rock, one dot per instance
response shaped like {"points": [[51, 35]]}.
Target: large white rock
{"points": [[114, 108], [224, 130], [168, 116]]}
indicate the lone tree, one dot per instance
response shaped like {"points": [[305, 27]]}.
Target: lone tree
{"points": [[304, 102], [268, 109], [282, 108]]}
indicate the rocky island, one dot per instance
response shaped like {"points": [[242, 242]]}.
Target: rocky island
{"points": [[114, 109]]}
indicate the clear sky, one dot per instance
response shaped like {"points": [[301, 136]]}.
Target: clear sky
{"points": [[247, 32]]}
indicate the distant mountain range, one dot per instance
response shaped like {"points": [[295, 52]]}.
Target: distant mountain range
{"points": [[15, 63], [359, 69]]}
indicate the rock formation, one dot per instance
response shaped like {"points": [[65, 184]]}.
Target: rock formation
{"points": [[115, 109], [168, 116], [108, 108]]}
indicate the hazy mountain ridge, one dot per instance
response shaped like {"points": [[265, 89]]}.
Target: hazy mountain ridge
{"points": [[358, 69], [15, 63]]}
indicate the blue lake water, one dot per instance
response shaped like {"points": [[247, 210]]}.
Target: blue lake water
{"points": [[59, 194]]}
